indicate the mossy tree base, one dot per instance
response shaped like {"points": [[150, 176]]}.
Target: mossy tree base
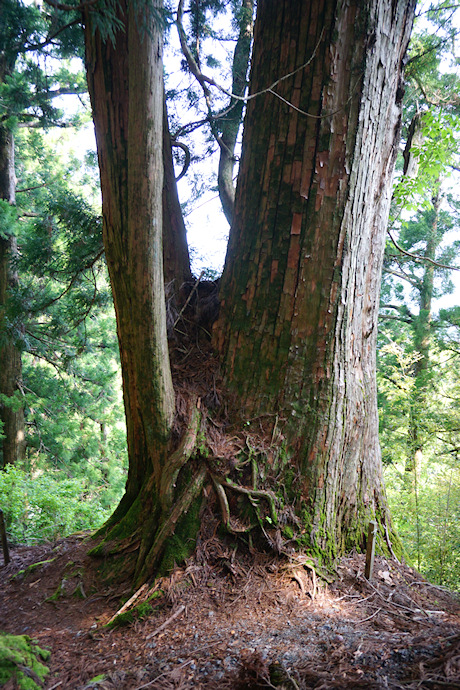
{"points": [[253, 495]]}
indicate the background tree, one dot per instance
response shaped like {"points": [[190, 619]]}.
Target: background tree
{"points": [[26, 96], [224, 125], [417, 351]]}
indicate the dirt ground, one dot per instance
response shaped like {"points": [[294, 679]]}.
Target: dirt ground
{"points": [[234, 620]]}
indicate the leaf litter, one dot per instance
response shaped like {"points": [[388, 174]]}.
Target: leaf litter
{"points": [[232, 618]]}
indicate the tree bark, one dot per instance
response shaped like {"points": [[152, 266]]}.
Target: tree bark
{"points": [[230, 125], [297, 330], [12, 413], [125, 85], [300, 289]]}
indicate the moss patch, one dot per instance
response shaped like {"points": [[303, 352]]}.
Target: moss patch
{"points": [[19, 660], [30, 568], [181, 544]]}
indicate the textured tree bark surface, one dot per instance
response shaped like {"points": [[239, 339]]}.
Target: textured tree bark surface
{"points": [[297, 330], [14, 442], [300, 290], [125, 84], [125, 80]]}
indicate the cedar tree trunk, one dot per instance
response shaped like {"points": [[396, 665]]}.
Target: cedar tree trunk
{"points": [[11, 414], [125, 81], [300, 291], [297, 329], [230, 124], [176, 258]]}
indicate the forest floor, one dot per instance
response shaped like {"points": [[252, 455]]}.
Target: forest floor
{"points": [[231, 620]]}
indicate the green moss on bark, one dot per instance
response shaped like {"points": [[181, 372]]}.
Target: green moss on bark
{"points": [[181, 544]]}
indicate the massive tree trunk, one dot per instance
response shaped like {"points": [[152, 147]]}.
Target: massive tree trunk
{"points": [[11, 409], [300, 290], [297, 330]]}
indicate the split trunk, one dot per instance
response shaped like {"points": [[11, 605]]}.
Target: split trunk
{"points": [[296, 334]]}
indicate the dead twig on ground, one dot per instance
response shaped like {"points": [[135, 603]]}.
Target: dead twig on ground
{"points": [[164, 625]]}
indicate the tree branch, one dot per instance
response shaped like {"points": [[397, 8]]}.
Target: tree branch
{"points": [[403, 276], [50, 38], [186, 150], [204, 81], [417, 257], [72, 281]]}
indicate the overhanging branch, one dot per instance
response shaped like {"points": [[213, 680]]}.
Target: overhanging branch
{"points": [[421, 259]]}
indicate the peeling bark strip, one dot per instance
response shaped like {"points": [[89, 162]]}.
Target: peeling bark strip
{"points": [[300, 291]]}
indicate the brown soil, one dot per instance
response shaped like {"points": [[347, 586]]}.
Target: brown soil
{"points": [[235, 620]]}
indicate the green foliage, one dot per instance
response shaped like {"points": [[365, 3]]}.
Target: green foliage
{"points": [[27, 83], [62, 315], [8, 219], [418, 353], [428, 522], [423, 483], [20, 661], [434, 153], [44, 505]]}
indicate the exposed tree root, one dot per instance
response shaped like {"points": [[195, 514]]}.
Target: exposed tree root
{"points": [[180, 457], [168, 525], [253, 496]]}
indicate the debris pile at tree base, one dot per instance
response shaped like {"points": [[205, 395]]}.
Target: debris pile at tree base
{"points": [[233, 619]]}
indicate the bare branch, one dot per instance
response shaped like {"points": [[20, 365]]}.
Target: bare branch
{"points": [[31, 189], [205, 81], [186, 150], [403, 276], [421, 259], [49, 39]]}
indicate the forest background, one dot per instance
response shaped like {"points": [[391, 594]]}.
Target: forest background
{"points": [[70, 469]]}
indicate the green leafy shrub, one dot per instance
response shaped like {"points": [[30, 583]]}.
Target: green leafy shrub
{"points": [[48, 505]]}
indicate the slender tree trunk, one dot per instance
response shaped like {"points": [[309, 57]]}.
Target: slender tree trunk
{"points": [[230, 125], [175, 248], [125, 85], [422, 342], [126, 90], [300, 290], [11, 413]]}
